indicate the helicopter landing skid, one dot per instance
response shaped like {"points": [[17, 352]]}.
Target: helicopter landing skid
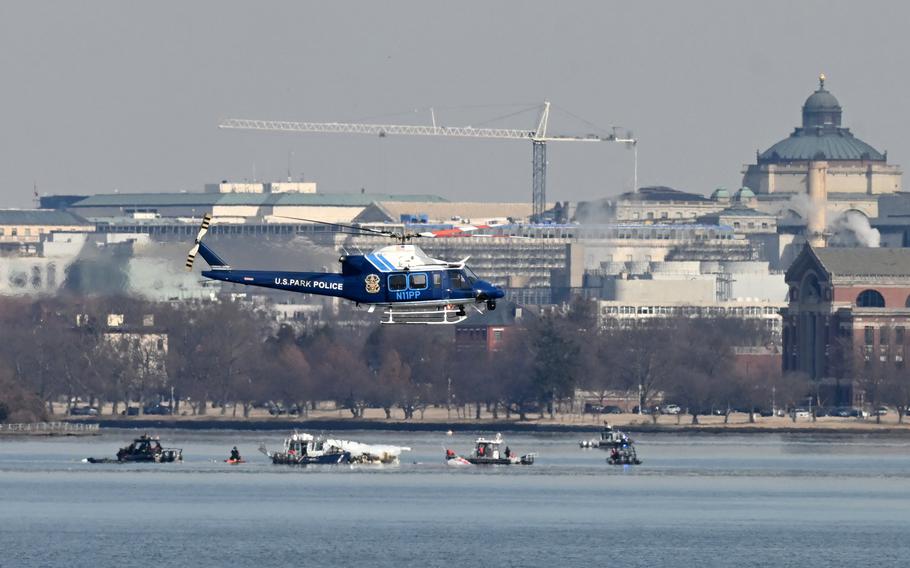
{"points": [[442, 315]]}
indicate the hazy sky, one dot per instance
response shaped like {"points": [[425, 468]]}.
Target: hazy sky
{"points": [[105, 96]]}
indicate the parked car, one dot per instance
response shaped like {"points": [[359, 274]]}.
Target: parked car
{"points": [[158, 408], [130, 411], [592, 408], [645, 410], [276, 409], [880, 411], [800, 414], [611, 409], [84, 411], [670, 409]]}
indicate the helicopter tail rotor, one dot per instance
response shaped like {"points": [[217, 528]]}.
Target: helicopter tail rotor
{"points": [[203, 229]]}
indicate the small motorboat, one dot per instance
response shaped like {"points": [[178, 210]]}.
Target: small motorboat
{"points": [[624, 455], [145, 448], [620, 445], [234, 462], [305, 449], [487, 452]]}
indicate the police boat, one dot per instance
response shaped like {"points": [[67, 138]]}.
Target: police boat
{"points": [[488, 451]]}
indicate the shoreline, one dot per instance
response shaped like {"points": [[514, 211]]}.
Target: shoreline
{"points": [[590, 429]]}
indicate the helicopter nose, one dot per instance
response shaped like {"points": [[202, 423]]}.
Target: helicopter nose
{"points": [[486, 291]]}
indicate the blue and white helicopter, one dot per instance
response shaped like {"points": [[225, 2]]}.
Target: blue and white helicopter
{"points": [[409, 285]]}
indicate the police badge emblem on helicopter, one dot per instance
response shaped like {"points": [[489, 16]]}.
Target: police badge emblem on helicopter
{"points": [[371, 283], [407, 284]]}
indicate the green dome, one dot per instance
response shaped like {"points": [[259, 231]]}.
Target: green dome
{"points": [[821, 136], [720, 193], [745, 193], [821, 100]]}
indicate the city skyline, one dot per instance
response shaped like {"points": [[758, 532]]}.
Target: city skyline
{"points": [[125, 99]]}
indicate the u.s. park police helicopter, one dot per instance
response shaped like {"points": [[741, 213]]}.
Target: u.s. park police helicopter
{"points": [[407, 284]]}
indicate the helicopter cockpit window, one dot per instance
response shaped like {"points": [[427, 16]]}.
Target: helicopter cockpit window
{"points": [[418, 281], [398, 282], [458, 280], [470, 274]]}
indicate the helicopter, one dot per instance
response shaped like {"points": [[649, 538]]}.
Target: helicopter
{"points": [[403, 281]]}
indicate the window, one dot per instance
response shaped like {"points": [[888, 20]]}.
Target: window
{"points": [[437, 280], [418, 281], [497, 335], [869, 334], [14, 232], [397, 282], [899, 335], [884, 336], [2, 231], [458, 281], [870, 299]]}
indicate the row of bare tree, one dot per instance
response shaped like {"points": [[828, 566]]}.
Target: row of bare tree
{"points": [[230, 356]]}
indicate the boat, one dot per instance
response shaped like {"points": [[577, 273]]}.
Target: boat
{"points": [[609, 437], [623, 455], [145, 448], [487, 452], [620, 445], [305, 449], [234, 462]]}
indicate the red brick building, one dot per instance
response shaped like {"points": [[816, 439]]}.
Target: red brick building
{"points": [[486, 332], [846, 305]]}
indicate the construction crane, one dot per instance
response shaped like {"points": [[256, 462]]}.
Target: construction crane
{"points": [[538, 137]]}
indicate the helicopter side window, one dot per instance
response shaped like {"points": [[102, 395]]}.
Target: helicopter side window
{"points": [[458, 280], [398, 282], [437, 280], [418, 281]]}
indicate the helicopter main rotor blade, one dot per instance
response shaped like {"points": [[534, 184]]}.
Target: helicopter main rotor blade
{"points": [[342, 225]]}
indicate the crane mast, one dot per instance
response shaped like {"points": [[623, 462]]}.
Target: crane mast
{"points": [[538, 137]]}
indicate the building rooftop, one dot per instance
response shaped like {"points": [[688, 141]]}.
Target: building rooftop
{"points": [[40, 217], [662, 193], [862, 261], [255, 199], [740, 211]]}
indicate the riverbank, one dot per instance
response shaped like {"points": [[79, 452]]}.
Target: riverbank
{"points": [[441, 420], [62, 428]]}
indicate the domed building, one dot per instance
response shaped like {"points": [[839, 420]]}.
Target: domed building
{"points": [[851, 172]]}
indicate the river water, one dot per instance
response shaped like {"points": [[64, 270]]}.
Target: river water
{"points": [[697, 500]]}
